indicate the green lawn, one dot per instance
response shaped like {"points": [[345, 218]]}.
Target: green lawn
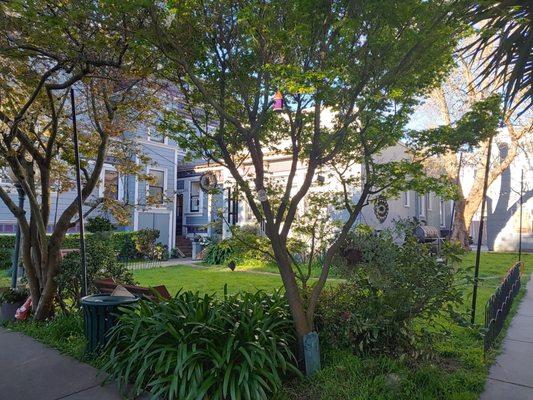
{"points": [[493, 267], [207, 279], [458, 372]]}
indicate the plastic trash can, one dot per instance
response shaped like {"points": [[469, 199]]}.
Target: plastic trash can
{"points": [[99, 316]]}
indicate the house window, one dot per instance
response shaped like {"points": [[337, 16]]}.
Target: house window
{"points": [[111, 184], [157, 187], [7, 228], [421, 205], [428, 201], [155, 136], [442, 212], [194, 200], [406, 199]]}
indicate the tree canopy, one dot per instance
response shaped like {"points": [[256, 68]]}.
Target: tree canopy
{"points": [[47, 48], [350, 74]]}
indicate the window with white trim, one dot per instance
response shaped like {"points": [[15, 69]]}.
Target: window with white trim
{"points": [[442, 212], [110, 184], [421, 205], [156, 188], [428, 200], [406, 199], [154, 136], [194, 197]]}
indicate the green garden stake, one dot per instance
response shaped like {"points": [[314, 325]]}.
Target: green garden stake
{"points": [[311, 353]]}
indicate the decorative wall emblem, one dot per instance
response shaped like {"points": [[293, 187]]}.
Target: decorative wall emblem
{"points": [[208, 181], [381, 209]]}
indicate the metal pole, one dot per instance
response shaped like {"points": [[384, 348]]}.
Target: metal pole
{"points": [[16, 255], [458, 182], [480, 231], [79, 198], [521, 203]]}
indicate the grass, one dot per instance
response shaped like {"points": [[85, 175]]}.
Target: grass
{"points": [[64, 332], [207, 279], [458, 372]]}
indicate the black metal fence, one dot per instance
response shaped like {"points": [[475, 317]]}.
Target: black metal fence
{"points": [[499, 305]]}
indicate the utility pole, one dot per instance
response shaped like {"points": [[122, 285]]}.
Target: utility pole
{"points": [[457, 182], [79, 199], [480, 231], [520, 228]]}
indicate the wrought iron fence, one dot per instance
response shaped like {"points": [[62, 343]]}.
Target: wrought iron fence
{"points": [[498, 306]]}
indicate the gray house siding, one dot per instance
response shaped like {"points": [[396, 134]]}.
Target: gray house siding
{"points": [[163, 157]]}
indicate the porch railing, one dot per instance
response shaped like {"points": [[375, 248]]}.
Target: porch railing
{"points": [[499, 305]]}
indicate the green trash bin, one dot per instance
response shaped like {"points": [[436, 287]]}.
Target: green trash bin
{"points": [[99, 316]]}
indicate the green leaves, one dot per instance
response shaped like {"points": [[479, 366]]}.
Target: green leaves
{"points": [[197, 347], [473, 127], [394, 286]]}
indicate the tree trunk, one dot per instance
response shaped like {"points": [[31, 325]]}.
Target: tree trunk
{"points": [[460, 228], [45, 307], [292, 291]]}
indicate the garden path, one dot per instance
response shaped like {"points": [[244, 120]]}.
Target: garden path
{"points": [[30, 370], [511, 376]]}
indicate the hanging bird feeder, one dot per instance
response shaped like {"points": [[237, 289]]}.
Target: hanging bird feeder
{"points": [[278, 102]]}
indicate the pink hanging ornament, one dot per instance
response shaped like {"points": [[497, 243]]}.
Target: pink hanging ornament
{"points": [[278, 102]]}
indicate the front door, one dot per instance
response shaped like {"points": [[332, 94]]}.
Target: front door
{"points": [[179, 215]]}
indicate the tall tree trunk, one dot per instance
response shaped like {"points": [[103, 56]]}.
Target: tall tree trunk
{"points": [[292, 291], [460, 229]]}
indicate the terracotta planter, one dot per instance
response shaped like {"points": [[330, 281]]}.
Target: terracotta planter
{"points": [[8, 310]]}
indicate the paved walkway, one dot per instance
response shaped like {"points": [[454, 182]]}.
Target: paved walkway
{"points": [[511, 376], [30, 370]]}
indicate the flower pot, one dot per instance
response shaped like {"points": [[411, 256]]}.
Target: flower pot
{"points": [[8, 310]]}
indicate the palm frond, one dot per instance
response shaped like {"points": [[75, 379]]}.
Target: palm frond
{"points": [[504, 46]]}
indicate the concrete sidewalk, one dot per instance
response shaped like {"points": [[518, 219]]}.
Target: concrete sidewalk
{"points": [[511, 376], [30, 370]]}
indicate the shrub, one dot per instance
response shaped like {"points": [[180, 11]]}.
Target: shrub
{"points": [[219, 253], [6, 258], [7, 244], [99, 224], [376, 310], [161, 252], [197, 346], [101, 263], [145, 243], [12, 296], [361, 245]]}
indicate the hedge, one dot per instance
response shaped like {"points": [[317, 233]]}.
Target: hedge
{"points": [[123, 242]]}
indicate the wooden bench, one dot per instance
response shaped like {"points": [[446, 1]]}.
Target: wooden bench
{"points": [[108, 285]]}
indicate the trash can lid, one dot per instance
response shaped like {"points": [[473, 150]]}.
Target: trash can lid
{"points": [[107, 300]]}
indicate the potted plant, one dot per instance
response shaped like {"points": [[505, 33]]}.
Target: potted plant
{"points": [[10, 300]]}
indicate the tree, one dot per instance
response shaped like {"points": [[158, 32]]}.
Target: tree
{"points": [[47, 47], [504, 31], [451, 100], [363, 63]]}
